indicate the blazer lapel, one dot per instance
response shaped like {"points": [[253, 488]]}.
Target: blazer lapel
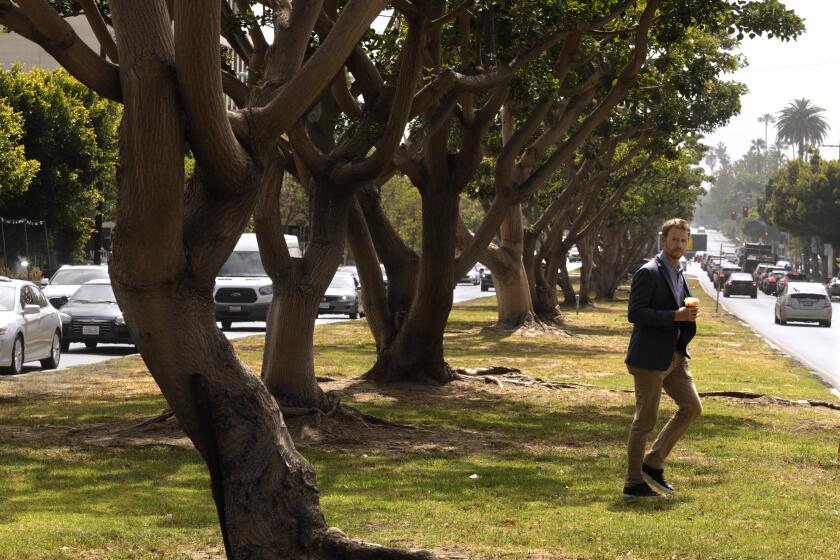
{"points": [[663, 271]]}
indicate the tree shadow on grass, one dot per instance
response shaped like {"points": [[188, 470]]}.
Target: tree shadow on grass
{"points": [[106, 483]]}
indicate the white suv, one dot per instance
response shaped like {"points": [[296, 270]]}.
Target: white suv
{"points": [[243, 289]]}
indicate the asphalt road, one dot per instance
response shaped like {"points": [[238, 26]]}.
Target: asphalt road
{"points": [[81, 355], [816, 347]]}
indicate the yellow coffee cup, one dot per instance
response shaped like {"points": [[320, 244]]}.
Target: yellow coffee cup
{"points": [[692, 302]]}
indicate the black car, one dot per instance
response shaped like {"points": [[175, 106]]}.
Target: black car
{"points": [[833, 287], [486, 280], [94, 317], [740, 284]]}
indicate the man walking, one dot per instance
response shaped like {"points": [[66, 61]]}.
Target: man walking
{"points": [[663, 325]]}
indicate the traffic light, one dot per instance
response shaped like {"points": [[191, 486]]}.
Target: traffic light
{"points": [[745, 211], [732, 214]]}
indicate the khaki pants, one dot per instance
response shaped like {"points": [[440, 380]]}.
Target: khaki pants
{"points": [[679, 385]]}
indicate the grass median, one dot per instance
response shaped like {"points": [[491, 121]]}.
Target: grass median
{"points": [[496, 470]]}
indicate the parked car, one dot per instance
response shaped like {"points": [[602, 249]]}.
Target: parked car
{"points": [[574, 254], [486, 280], [67, 280], [636, 266], [342, 297], [803, 301], [740, 284], [243, 289], [699, 256], [94, 317], [30, 328], [787, 278]]}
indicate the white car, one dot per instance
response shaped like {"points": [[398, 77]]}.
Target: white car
{"points": [[30, 328], [67, 280], [803, 301]]}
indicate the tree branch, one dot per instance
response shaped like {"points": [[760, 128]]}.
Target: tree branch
{"points": [[399, 111], [221, 157], [97, 24], [40, 23], [452, 14], [295, 97]]}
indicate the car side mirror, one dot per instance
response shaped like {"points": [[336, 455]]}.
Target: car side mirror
{"points": [[45, 282], [31, 309]]}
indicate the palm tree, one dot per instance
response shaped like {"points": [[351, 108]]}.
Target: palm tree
{"points": [[801, 125], [766, 118]]}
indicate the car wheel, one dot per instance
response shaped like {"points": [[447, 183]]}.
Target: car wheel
{"points": [[827, 324], [354, 315], [782, 320], [90, 345], [55, 354], [17, 358], [725, 294], [754, 295], [776, 319], [484, 288], [65, 345], [226, 325]]}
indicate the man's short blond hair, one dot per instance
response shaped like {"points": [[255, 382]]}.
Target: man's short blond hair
{"points": [[678, 223]]}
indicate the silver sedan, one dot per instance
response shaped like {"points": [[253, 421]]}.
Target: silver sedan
{"points": [[30, 328]]}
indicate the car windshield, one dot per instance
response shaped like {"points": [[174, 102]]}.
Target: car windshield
{"points": [[741, 276], [243, 263], [94, 293], [74, 277], [7, 298], [342, 282]]}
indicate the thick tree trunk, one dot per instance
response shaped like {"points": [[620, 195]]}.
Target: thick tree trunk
{"points": [[264, 490], [288, 368], [565, 282], [586, 262], [374, 294], [416, 353], [401, 263], [513, 294]]}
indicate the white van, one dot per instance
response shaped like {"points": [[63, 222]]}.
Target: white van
{"points": [[243, 289]]}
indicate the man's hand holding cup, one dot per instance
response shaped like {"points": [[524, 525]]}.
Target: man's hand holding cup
{"points": [[690, 311]]}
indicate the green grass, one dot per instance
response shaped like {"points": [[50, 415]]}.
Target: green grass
{"points": [[755, 480]]}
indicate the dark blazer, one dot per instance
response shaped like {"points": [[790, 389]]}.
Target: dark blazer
{"points": [[656, 336]]}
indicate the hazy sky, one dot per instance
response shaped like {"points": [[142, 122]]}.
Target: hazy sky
{"points": [[779, 72]]}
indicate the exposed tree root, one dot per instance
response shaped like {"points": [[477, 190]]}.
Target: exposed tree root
{"points": [[752, 396], [160, 418], [529, 328], [333, 544], [497, 374]]}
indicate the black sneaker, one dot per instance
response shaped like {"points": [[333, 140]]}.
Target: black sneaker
{"points": [[641, 490], [655, 478]]}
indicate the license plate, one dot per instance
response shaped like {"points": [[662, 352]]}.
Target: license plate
{"points": [[808, 303], [90, 330], [324, 306], [235, 308]]}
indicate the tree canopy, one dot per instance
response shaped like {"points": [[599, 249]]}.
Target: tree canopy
{"points": [[72, 133]]}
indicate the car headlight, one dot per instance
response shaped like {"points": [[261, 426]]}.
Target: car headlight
{"points": [[266, 290], [345, 298], [119, 320]]}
